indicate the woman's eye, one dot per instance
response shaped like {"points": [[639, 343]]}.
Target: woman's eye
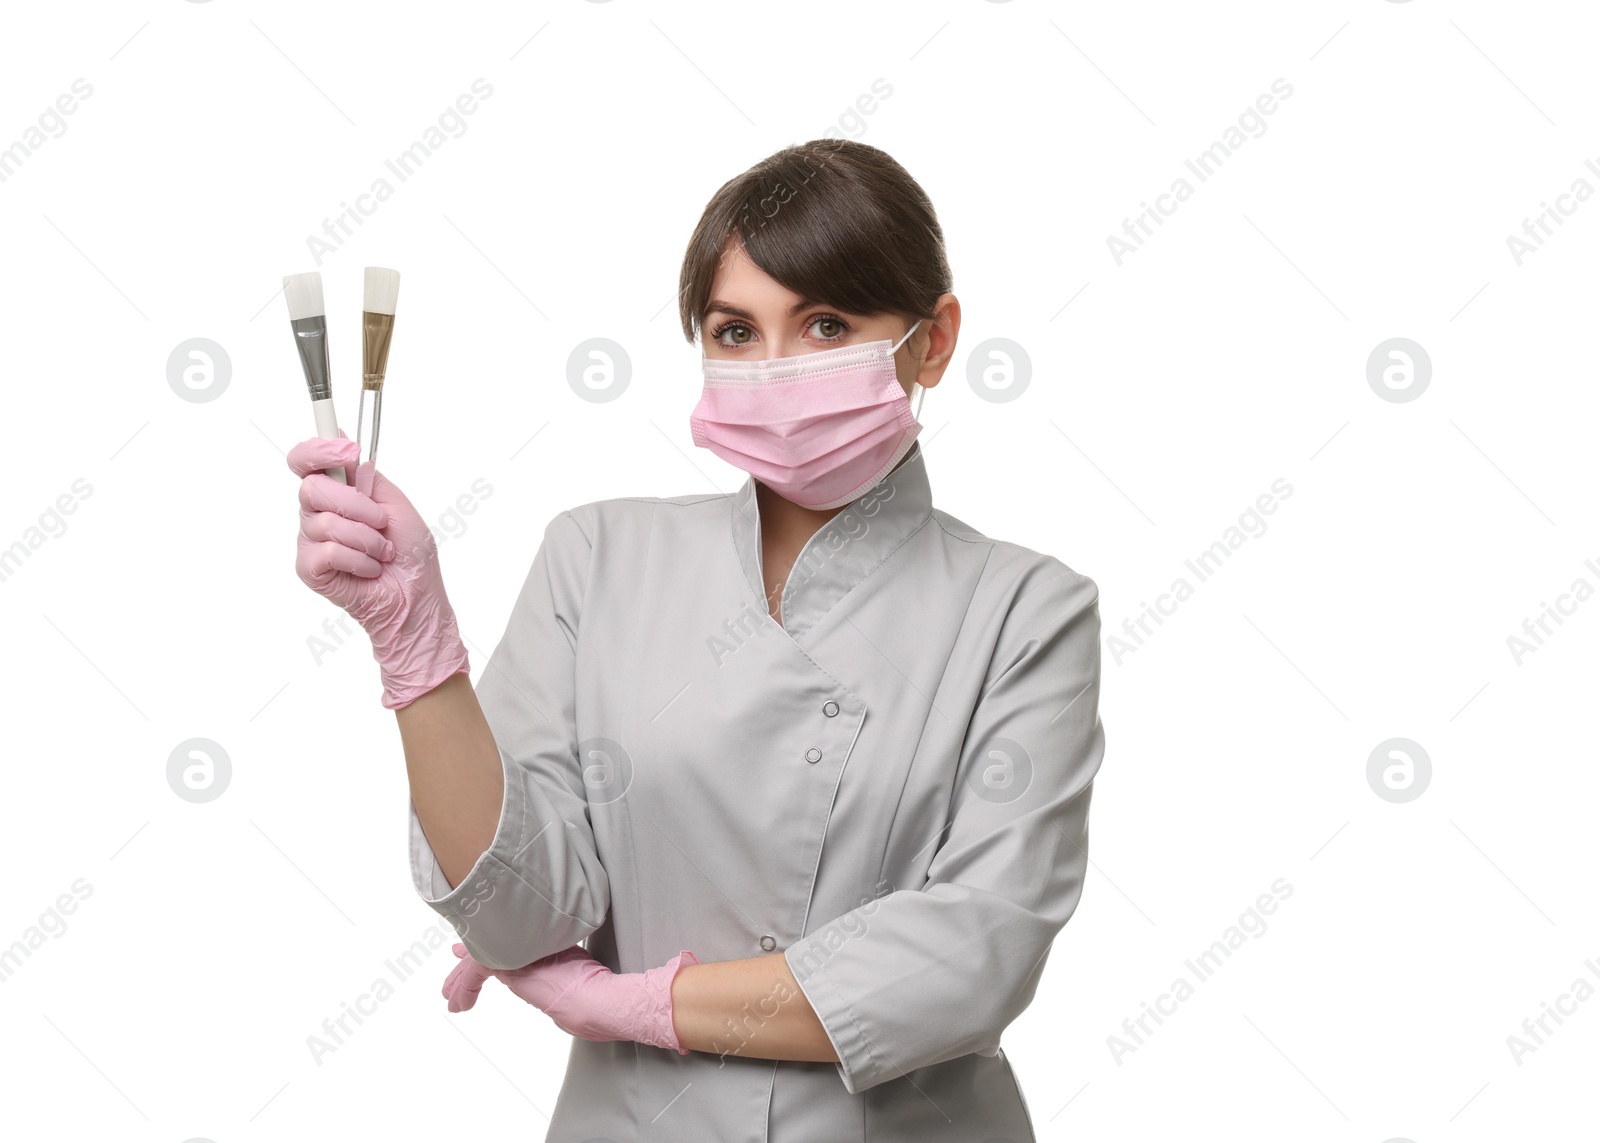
{"points": [[737, 333]]}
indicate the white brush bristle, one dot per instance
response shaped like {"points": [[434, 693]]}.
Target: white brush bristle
{"points": [[382, 290], [303, 292]]}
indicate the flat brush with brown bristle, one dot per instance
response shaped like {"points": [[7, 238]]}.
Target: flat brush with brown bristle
{"points": [[381, 291]]}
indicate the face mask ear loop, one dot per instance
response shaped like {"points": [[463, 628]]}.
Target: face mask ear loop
{"points": [[917, 412], [902, 341]]}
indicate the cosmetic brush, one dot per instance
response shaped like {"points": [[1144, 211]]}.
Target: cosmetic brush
{"points": [[309, 321], [382, 290]]}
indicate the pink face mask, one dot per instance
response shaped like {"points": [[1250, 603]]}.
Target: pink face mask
{"points": [[820, 429]]}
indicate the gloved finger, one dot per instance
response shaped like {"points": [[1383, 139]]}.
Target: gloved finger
{"points": [[317, 563], [351, 533], [385, 492], [322, 493], [315, 454], [461, 999], [364, 473], [452, 979], [462, 985], [461, 989]]}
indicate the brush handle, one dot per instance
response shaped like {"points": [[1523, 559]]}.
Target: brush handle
{"points": [[328, 430], [367, 424]]}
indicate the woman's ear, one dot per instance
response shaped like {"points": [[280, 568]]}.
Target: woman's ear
{"points": [[939, 345]]}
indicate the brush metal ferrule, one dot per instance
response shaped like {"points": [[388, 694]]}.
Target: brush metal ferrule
{"points": [[311, 339], [376, 329]]}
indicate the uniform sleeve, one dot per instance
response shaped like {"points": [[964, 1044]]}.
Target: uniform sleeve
{"points": [[540, 886], [924, 974]]}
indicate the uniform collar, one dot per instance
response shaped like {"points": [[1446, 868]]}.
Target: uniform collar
{"points": [[845, 550]]}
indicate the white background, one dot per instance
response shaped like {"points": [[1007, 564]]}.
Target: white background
{"points": [[1230, 351]]}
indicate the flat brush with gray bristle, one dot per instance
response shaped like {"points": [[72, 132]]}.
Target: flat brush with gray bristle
{"points": [[309, 321], [382, 290]]}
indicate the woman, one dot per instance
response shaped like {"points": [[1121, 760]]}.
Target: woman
{"points": [[808, 766]]}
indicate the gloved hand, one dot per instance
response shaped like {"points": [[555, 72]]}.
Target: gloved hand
{"points": [[365, 547], [584, 997]]}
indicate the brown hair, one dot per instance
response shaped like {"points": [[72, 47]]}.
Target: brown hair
{"points": [[834, 220]]}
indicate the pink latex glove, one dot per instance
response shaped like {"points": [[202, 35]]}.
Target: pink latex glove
{"points": [[365, 547], [584, 997]]}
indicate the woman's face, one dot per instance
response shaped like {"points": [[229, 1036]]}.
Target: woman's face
{"points": [[751, 317]]}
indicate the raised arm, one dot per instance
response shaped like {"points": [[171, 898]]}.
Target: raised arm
{"points": [[500, 840], [457, 783]]}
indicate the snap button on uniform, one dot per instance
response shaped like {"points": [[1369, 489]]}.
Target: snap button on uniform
{"points": [[768, 943], [813, 755], [830, 708]]}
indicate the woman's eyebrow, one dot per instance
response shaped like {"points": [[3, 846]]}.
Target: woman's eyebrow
{"points": [[738, 311]]}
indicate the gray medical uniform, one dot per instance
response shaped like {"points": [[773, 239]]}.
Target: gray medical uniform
{"points": [[891, 788]]}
